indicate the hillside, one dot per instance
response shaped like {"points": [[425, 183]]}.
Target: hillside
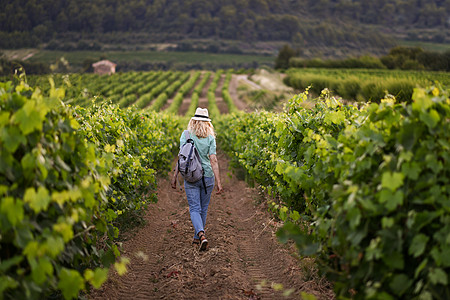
{"points": [[356, 24]]}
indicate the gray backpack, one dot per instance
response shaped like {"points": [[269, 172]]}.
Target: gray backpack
{"points": [[189, 162]]}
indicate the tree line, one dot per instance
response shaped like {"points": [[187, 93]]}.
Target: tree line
{"points": [[403, 58], [25, 23]]}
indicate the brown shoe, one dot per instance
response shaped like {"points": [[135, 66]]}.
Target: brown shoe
{"points": [[203, 243]]}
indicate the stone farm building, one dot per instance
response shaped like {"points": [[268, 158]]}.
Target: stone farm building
{"points": [[104, 67]]}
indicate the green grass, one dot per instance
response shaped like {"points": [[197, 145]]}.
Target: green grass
{"points": [[437, 47], [377, 74], [77, 57], [365, 84]]}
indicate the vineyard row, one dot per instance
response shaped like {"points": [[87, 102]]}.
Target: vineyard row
{"points": [[154, 91], [366, 191], [69, 179]]}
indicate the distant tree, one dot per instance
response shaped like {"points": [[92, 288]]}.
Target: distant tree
{"points": [[8, 67], [285, 54], [87, 65], [41, 31], [320, 7], [247, 30], [260, 6], [213, 48], [298, 40], [62, 22], [21, 21], [388, 12], [408, 58], [434, 61], [447, 59]]}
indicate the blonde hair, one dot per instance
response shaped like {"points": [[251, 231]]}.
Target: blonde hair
{"points": [[201, 128]]}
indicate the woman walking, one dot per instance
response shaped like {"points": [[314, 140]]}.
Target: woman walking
{"points": [[198, 194]]}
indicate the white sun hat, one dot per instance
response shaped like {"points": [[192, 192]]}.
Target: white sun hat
{"points": [[201, 114]]}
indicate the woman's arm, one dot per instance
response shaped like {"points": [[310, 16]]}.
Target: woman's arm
{"points": [[215, 167], [175, 172], [174, 177]]}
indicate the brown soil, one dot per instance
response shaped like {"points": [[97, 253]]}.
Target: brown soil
{"points": [[203, 102], [218, 91], [167, 104], [221, 105], [243, 261], [184, 106], [205, 89]]}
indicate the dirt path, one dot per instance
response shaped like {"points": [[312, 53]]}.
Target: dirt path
{"points": [[28, 56], [245, 79], [241, 105], [243, 252]]}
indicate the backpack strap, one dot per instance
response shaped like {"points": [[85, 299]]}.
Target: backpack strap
{"points": [[186, 134], [188, 140], [204, 184]]}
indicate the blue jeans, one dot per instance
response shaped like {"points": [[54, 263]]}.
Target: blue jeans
{"points": [[198, 202]]}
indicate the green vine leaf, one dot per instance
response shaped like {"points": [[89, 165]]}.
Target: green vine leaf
{"points": [[70, 283], [392, 180]]}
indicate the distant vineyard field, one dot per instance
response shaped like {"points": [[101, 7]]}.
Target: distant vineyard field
{"points": [[364, 85], [168, 59], [174, 91], [154, 90]]}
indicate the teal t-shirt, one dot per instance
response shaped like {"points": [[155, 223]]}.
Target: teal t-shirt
{"points": [[205, 147]]}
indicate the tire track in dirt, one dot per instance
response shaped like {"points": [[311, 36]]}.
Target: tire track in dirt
{"points": [[243, 251]]}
